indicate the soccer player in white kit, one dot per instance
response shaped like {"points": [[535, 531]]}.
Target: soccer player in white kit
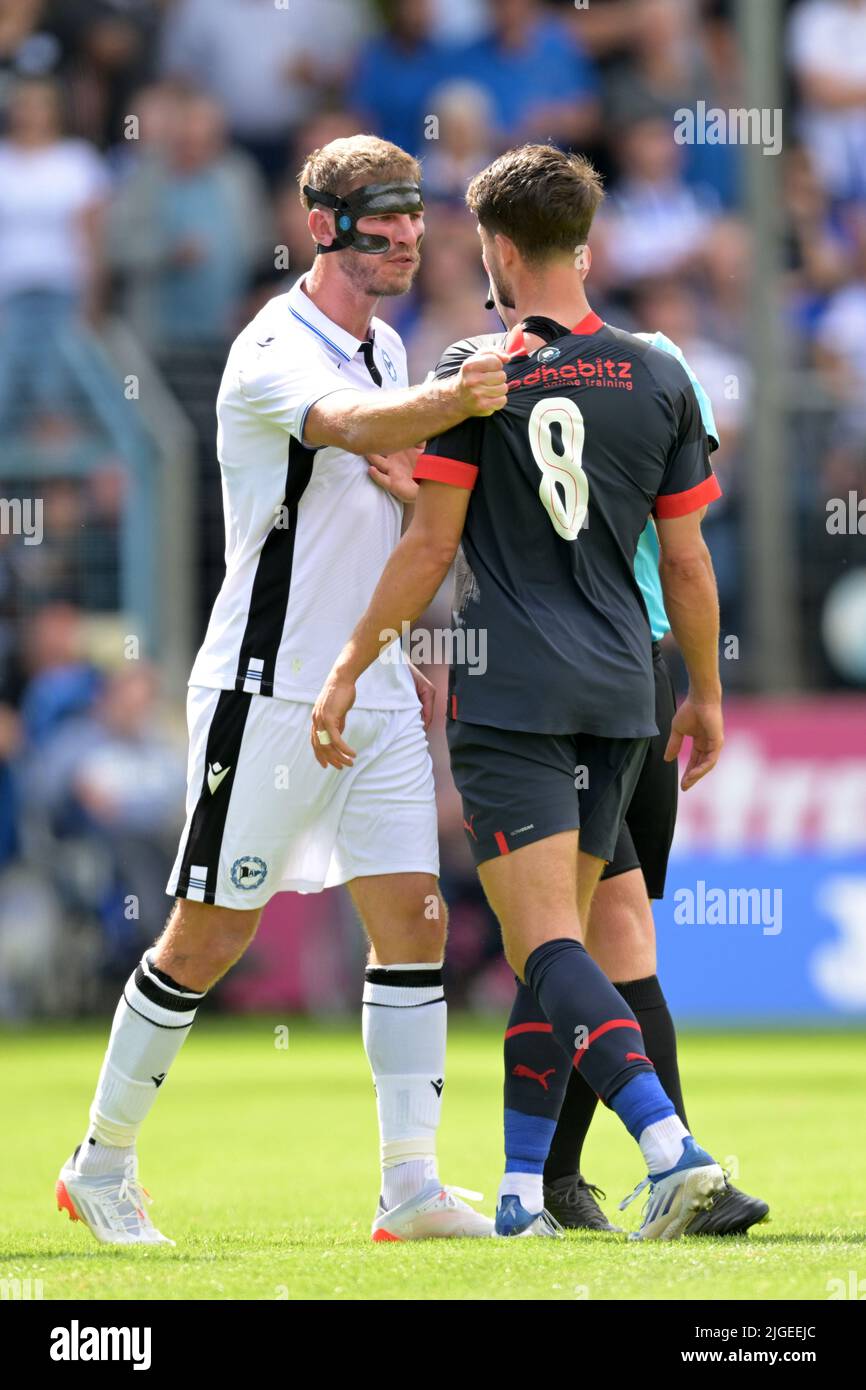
{"points": [[314, 388]]}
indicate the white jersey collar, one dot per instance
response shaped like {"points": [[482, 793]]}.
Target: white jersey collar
{"points": [[302, 308]]}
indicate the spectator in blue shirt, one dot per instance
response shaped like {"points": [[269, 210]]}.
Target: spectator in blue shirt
{"points": [[542, 84], [396, 72]]}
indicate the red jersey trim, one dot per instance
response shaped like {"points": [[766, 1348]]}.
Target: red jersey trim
{"points": [[516, 342], [681, 503], [590, 324], [444, 470]]}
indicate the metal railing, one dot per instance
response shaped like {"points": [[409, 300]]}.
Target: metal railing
{"points": [[124, 416]]}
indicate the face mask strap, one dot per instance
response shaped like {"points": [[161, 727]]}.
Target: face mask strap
{"points": [[344, 221], [368, 200]]}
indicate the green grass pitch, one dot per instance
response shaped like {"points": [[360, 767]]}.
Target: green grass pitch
{"points": [[262, 1161]]}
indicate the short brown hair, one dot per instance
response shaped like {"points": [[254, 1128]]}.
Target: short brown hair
{"points": [[346, 164], [543, 199]]}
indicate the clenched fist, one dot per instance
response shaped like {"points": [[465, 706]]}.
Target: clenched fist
{"points": [[480, 384]]}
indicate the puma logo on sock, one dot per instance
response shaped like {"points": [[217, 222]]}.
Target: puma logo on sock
{"points": [[540, 1077]]}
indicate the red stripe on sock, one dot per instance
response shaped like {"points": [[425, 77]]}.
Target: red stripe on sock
{"points": [[528, 1028], [597, 1033]]}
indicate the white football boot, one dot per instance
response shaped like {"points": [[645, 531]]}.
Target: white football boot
{"points": [[436, 1210], [112, 1205], [674, 1197]]}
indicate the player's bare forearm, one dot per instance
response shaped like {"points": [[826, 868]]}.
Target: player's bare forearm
{"points": [[384, 422], [692, 605], [409, 583]]}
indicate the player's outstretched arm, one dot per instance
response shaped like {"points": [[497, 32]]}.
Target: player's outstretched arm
{"points": [[692, 604], [409, 583], [383, 422]]}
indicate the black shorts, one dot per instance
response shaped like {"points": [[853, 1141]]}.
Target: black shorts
{"points": [[648, 829], [518, 787]]}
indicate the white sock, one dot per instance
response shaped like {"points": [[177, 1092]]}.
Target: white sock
{"points": [[96, 1159], [529, 1187], [404, 1021], [405, 1179], [150, 1025], [662, 1144]]}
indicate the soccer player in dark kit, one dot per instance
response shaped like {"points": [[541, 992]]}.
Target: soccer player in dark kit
{"points": [[547, 500], [620, 934]]}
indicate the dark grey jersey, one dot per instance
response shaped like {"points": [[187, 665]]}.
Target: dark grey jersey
{"points": [[600, 431]]}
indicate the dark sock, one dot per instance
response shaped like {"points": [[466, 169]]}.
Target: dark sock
{"points": [[591, 1020], [536, 1075], [647, 1000], [575, 1118]]}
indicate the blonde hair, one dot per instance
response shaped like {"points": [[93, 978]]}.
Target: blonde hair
{"points": [[354, 160]]}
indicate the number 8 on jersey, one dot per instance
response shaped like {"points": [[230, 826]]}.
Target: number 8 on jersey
{"points": [[556, 434]]}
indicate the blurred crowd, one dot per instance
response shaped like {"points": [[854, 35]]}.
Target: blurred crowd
{"points": [[148, 160]]}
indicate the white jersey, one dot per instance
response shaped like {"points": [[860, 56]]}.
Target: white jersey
{"points": [[308, 533]]}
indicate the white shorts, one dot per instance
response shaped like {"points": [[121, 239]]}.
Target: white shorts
{"points": [[263, 817]]}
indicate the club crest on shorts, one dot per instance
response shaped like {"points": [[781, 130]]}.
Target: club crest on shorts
{"points": [[249, 871]]}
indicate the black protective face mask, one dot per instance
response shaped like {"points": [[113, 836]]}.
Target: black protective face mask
{"points": [[371, 200]]}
